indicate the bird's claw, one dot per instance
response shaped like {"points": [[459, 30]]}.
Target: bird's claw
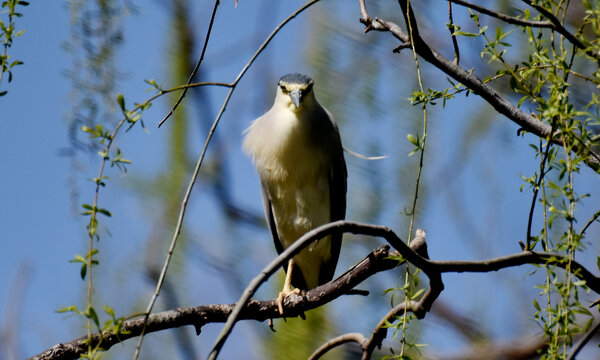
{"points": [[282, 296]]}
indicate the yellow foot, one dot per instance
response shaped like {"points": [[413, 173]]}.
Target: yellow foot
{"points": [[282, 296]]}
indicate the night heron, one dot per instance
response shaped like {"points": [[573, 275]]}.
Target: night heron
{"points": [[297, 152]]}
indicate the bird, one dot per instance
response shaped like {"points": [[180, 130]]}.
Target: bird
{"points": [[297, 151]]}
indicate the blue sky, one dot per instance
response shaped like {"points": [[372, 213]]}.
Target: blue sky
{"points": [[41, 230]]}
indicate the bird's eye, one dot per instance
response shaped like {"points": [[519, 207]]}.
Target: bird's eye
{"points": [[283, 88]]}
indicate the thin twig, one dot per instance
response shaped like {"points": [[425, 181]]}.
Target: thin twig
{"points": [[93, 222], [380, 331], [536, 188], [507, 19], [337, 341], [210, 26], [451, 28], [407, 292], [363, 10], [590, 222], [368, 20], [163, 272], [581, 343], [558, 27]]}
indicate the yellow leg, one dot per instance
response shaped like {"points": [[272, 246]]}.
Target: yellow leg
{"points": [[287, 287]]}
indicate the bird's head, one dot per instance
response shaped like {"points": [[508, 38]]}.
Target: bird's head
{"points": [[295, 91]]}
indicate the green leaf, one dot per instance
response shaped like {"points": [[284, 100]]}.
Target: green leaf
{"points": [[15, 63], [78, 259], [109, 311], [71, 308], [417, 294], [154, 84], [91, 314], [121, 101], [103, 154], [83, 270], [91, 209], [412, 140], [104, 212], [464, 33], [499, 32]]}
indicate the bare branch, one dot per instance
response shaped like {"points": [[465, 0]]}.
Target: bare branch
{"points": [[526, 257], [197, 316], [210, 26], [451, 28], [520, 348], [380, 331], [589, 223], [508, 19], [295, 248], [335, 342], [377, 261], [367, 20], [536, 189]]}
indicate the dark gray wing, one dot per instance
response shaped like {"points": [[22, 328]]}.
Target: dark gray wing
{"points": [[337, 205], [266, 199]]}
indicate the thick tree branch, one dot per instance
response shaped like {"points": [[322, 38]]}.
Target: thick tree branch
{"points": [[377, 261], [198, 316], [526, 121], [295, 248]]}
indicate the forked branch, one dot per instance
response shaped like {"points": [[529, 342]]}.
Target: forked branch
{"points": [[526, 121], [377, 261]]}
